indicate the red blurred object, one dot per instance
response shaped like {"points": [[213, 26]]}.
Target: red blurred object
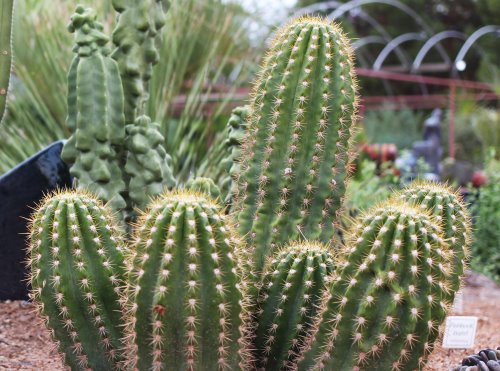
{"points": [[479, 178], [380, 153]]}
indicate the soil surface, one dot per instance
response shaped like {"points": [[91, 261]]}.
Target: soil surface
{"points": [[25, 344]]}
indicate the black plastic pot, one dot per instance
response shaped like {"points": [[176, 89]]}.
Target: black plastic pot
{"points": [[20, 190]]}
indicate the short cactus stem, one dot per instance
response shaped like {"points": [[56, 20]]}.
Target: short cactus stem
{"points": [[293, 285], [76, 262], [295, 157], [390, 296], [184, 296], [448, 208]]}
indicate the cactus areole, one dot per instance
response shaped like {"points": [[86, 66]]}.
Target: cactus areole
{"points": [[296, 153]]}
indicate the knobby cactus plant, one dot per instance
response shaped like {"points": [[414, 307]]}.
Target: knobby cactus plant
{"points": [[184, 289], [295, 158], [6, 20], [77, 269], [390, 296], [124, 165]]}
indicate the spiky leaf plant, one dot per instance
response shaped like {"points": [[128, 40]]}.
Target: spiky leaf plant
{"points": [[296, 154], [184, 295], [293, 285], [76, 261], [390, 296]]}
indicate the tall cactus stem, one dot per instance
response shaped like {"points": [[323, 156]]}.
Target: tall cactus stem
{"points": [[296, 156]]}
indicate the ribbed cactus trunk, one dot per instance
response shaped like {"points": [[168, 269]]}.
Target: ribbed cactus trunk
{"points": [[6, 21], [184, 296], [76, 262], [384, 309], [448, 208], [295, 158], [293, 285]]}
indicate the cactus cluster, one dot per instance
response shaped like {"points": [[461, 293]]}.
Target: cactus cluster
{"points": [[266, 286], [6, 21], [390, 294]]}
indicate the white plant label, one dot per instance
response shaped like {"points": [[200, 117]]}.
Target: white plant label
{"points": [[458, 303], [459, 332]]}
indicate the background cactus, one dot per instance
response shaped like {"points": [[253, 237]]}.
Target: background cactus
{"points": [[6, 16], [95, 112], [184, 294], [76, 270], [135, 37], [296, 155], [390, 295], [293, 285], [148, 164], [446, 206]]}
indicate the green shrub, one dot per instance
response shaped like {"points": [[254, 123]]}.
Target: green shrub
{"points": [[486, 245]]}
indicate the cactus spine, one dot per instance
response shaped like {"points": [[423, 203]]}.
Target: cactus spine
{"points": [[296, 155], [390, 297], [6, 21], [447, 207], [292, 287], [137, 31], [95, 111], [77, 268], [184, 294]]}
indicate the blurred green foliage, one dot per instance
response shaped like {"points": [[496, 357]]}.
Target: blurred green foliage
{"points": [[401, 127], [486, 210]]}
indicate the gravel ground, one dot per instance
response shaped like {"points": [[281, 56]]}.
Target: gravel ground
{"points": [[24, 344]]}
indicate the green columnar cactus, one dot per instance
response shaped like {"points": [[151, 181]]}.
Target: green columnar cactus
{"points": [[293, 285], [390, 295], [184, 296], [6, 17], [76, 261], [95, 112], [135, 36], [296, 155], [148, 164], [236, 130], [446, 205]]}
